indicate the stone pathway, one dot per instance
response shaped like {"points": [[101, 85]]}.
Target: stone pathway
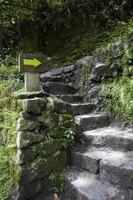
{"points": [[102, 159]]}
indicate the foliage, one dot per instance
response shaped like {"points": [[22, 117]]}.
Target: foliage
{"points": [[60, 125], [37, 23], [9, 113], [119, 97], [59, 179], [8, 170]]}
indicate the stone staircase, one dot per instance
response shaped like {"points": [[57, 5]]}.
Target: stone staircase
{"points": [[102, 158]]}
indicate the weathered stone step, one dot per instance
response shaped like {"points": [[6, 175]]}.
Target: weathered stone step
{"points": [[71, 98], [113, 166], [76, 109], [92, 121], [58, 88], [82, 108], [86, 186], [109, 137], [117, 168]]}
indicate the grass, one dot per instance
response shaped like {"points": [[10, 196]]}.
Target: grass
{"points": [[9, 113], [119, 97]]}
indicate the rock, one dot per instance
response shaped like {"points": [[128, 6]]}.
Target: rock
{"points": [[29, 95], [25, 124], [109, 137], [86, 186], [70, 98], [35, 105], [26, 138], [57, 75], [58, 88], [92, 121], [69, 69], [58, 105], [117, 169], [41, 167], [28, 191], [44, 149], [83, 61], [101, 70]]}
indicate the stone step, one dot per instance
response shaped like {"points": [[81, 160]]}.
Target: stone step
{"points": [[70, 98], [109, 137], [58, 88], [82, 108], [113, 166], [117, 168], [92, 121], [86, 186], [75, 109]]}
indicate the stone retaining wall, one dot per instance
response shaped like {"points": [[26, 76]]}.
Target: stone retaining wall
{"points": [[41, 144]]}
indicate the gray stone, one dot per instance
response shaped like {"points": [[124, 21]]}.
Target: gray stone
{"points": [[43, 149], [42, 167], [25, 124], [86, 186], [69, 69], [85, 160], [117, 168], [58, 88], [101, 70], [26, 138], [29, 95], [35, 105], [27, 191], [70, 98], [92, 121], [109, 137], [58, 105], [83, 61], [75, 109], [82, 108]]}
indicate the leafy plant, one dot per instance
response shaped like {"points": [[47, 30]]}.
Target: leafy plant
{"points": [[59, 179], [119, 97]]}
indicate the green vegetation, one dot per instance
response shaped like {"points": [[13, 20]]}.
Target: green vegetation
{"points": [[9, 113], [79, 28], [60, 125], [119, 97], [59, 179], [61, 128], [8, 170]]}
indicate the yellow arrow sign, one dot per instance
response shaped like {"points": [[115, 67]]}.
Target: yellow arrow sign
{"points": [[32, 63]]}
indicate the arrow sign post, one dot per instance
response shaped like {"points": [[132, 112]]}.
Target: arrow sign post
{"points": [[31, 65]]}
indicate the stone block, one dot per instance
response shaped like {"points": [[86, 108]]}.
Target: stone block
{"points": [[25, 124], [27, 191], [44, 149], [27, 138], [41, 167], [35, 105]]}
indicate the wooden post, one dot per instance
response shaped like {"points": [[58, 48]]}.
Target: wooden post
{"points": [[32, 82], [31, 65]]}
